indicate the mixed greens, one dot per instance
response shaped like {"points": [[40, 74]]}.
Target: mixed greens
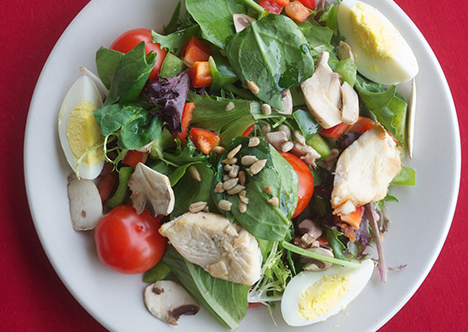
{"points": [[189, 132]]}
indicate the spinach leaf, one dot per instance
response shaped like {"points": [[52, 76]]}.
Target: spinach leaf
{"points": [[183, 154], [318, 37], [137, 127], [130, 75], [273, 54], [334, 242], [107, 61], [198, 192], [385, 106], [176, 41], [215, 18], [262, 219], [227, 301], [210, 113]]}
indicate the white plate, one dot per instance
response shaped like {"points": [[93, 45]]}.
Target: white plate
{"points": [[419, 223]]}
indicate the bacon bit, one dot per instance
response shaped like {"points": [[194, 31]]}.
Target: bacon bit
{"points": [[348, 231]]}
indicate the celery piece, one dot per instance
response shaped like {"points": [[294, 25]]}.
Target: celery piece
{"points": [[122, 189], [320, 145], [348, 69]]}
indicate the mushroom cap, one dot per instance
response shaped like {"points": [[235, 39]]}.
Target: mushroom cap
{"points": [[85, 203], [167, 300]]}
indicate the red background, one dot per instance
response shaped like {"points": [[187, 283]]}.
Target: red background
{"points": [[32, 297]]}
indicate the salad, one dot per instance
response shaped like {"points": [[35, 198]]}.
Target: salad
{"points": [[244, 156]]}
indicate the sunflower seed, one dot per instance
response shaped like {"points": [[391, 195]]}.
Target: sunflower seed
{"points": [[230, 161], [225, 205], [234, 172], [244, 199], [285, 129], [266, 129], [268, 189], [287, 146], [227, 167], [241, 178], [234, 191], [218, 149], [219, 188], [234, 151], [194, 173], [230, 106], [197, 207], [274, 201], [248, 160], [257, 166], [252, 87], [266, 109], [231, 183], [254, 141], [242, 207]]}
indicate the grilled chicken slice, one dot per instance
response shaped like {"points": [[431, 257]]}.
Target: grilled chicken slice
{"points": [[364, 171], [223, 249]]}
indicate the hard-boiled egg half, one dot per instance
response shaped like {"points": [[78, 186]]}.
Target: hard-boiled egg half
{"points": [[79, 134], [312, 297], [381, 53]]}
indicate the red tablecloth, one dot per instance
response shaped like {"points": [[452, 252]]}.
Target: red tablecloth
{"points": [[32, 297]]}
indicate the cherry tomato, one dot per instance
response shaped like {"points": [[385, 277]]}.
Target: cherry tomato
{"points": [[127, 242], [306, 181], [128, 40]]}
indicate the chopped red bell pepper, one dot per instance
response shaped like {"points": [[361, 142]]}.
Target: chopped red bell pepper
{"points": [[354, 218], [186, 118], [362, 125], [248, 131], [195, 50], [133, 157], [106, 185], [297, 11], [204, 140], [273, 6], [308, 3], [334, 132], [200, 74]]}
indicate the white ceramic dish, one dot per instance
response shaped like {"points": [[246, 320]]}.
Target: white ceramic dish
{"points": [[419, 223]]}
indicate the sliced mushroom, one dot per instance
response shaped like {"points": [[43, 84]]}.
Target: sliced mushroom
{"points": [[167, 300], [85, 203], [242, 21], [345, 52], [315, 264], [225, 250], [287, 103], [147, 147], [151, 188], [322, 93], [276, 138], [350, 110], [310, 231]]}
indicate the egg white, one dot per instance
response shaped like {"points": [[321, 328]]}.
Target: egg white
{"points": [[83, 89], [401, 64], [358, 278]]}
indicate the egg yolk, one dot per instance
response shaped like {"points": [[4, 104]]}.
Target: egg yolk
{"points": [[371, 33], [83, 133], [323, 295]]}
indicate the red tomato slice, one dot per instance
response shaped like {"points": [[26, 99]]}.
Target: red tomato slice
{"points": [[127, 242], [306, 181], [128, 40], [334, 132], [362, 125]]}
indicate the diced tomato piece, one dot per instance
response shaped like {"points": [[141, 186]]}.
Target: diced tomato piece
{"points": [[273, 6], [354, 218], [204, 140], [200, 74], [297, 11], [195, 50], [334, 132], [308, 3], [248, 131], [362, 125], [133, 157], [107, 185], [186, 118], [254, 304]]}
